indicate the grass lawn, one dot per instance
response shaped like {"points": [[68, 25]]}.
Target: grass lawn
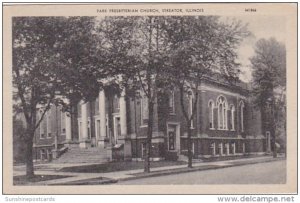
{"points": [[23, 180], [118, 166]]}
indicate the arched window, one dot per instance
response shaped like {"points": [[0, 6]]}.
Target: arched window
{"points": [[242, 107], [172, 103], [211, 114], [222, 113], [232, 111]]}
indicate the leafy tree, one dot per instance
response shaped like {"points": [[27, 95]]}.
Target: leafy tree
{"points": [[269, 84], [152, 49], [18, 146], [81, 64], [135, 46], [200, 46], [55, 57], [114, 34], [34, 80]]}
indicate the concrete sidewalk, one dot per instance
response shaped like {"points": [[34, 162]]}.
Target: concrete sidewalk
{"points": [[111, 177]]}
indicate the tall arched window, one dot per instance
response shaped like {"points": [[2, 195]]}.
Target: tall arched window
{"points": [[222, 113], [211, 114], [172, 103], [232, 111], [242, 107]]}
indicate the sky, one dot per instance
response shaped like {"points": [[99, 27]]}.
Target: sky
{"points": [[260, 27]]}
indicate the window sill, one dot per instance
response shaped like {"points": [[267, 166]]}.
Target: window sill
{"points": [[212, 128], [172, 114], [143, 126], [223, 129]]}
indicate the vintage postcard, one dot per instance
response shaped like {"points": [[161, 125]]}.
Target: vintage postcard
{"points": [[152, 98]]}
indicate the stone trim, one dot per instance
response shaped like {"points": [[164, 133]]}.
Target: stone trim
{"points": [[37, 146], [208, 88]]}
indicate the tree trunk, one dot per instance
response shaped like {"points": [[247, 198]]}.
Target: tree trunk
{"points": [[273, 131], [273, 128], [190, 154], [189, 120], [110, 120], [149, 136], [29, 157], [74, 122], [91, 121]]}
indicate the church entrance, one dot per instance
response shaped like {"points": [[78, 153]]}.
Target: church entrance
{"points": [[173, 136]]}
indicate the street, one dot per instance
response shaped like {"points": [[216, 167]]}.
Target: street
{"points": [[261, 173]]}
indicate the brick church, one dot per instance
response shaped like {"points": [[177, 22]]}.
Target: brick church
{"points": [[225, 124]]}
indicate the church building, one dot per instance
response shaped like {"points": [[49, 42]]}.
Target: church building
{"points": [[225, 124]]}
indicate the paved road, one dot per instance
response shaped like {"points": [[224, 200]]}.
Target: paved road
{"points": [[262, 173]]}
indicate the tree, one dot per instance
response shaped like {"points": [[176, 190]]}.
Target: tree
{"points": [[114, 42], [82, 65], [200, 46], [18, 146], [269, 84], [34, 81], [152, 62], [55, 58], [135, 44]]}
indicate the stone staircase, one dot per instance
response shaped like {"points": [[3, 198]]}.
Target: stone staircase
{"points": [[79, 155]]}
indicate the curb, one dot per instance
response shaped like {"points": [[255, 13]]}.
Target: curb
{"points": [[187, 170], [88, 182]]}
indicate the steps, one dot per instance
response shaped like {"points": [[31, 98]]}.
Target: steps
{"points": [[79, 155]]}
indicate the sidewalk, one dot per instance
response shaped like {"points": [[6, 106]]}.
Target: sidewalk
{"points": [[112, 177]]}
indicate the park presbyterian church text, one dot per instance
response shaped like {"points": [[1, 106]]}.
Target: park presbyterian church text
{"points": [[200, 10]]}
